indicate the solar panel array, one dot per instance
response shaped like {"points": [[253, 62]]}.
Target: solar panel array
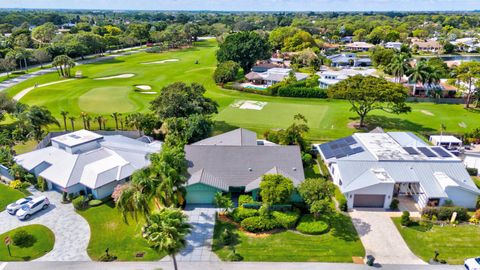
{"points": [[441, 152], [411, 150], [340, 148], [426, 152]]}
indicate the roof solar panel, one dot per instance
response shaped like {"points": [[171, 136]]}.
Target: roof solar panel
{"points": [[426, 152], [441, 152], [411, 150], [357, 150], [350, 140]]}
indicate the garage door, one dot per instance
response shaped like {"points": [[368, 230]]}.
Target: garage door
{"points": [[200, 197], [373, 201]]}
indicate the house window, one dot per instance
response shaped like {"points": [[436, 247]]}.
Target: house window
{"points": [[340, 182]]}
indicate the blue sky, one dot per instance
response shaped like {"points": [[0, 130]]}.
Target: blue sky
{"points": [[251, 5]]}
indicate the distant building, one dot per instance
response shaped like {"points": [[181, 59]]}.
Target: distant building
{"points": [[432, 46], [349, 60], [393, 45], [273, 76], [331, 77], [89, 162], [468, 44], [373, 168], [447, 141], [359, 46]]}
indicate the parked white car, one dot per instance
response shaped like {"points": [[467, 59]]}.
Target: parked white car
{"points": [[32, 207], [13, 207], [472, 264]]}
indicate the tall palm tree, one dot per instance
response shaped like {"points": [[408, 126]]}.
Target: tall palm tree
{"points": [[64, 115], [418, 74], [399, 66], [115, 116], [133, 120], [99, 120], [104, 122], [88, 119], [166, 230], [84, 119], [132, 201], [72, 121]]}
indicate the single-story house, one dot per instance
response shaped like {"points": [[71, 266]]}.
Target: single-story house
{"points": [[349, 60], [263, 67], [447, 141], [359, 46], [472, 160], [468, 44], [235, 162], [443, 88], [273, 76], [84, 160], [393, 45], [331, 77], [373, 168], [427, 46]]}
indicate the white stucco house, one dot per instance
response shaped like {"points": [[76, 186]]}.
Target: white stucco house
{"points": [[331, 77], [372, 168], [447, 141], [84, 160]]}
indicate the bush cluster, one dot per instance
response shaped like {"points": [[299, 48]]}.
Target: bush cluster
{"points": [[244, 198], [241, 213], [23, 239], [305, 92], [17, 184], [308, 225], [42, 184], [107, 258], [472, 171], [79, 203], [259, 224], [93, 203], [394, 204], [444, 213], [226, 72], [405, 219], [286, 220]]}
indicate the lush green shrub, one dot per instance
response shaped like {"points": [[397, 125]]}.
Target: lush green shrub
{"points": [[307, 159], [430, 212], [42, 184], [15, 184], [93, 203], [244, 198], [71, 196], [226, 72], [445, 213], [287, 220], [241, 213], [254, 205], [79, 203], [341, 200], [305, 92], [234, 256], [308, 225], [107, 258], [472, 171], [23, 239], [405, 219], [394, 204], [259, 224], [228, 237]]}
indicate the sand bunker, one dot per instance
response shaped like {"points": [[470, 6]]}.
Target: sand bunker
{"points": [[249, 105], [143, 87], [148, 93], [121, 76], [427, 113], [161, 62]]}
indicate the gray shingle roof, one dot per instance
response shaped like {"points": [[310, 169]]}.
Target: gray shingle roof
{"points": [[238, 136]]}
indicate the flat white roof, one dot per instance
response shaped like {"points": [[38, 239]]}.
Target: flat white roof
{"points": [[445, 139], [77, 138]]}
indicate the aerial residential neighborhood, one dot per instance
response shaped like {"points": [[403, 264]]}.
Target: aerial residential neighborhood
{"points": [[188, 134]]}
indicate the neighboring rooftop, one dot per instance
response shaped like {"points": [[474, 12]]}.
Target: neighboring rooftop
{"points": [[77, 138]]}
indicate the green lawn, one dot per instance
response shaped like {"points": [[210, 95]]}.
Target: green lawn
{"points": [[454, 244], [338, 245], [108, 230], [8, 195], [45, 239], [328, 119]]}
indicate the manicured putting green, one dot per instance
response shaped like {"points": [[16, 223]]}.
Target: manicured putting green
{"points": [[109, 99]]}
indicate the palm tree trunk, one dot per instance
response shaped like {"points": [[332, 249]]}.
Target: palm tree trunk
{"points": [[414, 88], [73, 125], [174, 262], [65, 123]]}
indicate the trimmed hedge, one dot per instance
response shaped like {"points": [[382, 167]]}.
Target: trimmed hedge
{"points": [[444, 213], [287, 220], [79, 203], [241, 213], [93, 203], [308, 225], [259, 224], [288, 91]]}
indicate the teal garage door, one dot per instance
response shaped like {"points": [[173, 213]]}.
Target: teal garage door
{"points": [[201, 194]]}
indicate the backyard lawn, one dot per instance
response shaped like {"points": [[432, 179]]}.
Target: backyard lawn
{"points": [[8, 195], [454, 244], [43, 242], [328, 119], [338, 245], [108, 230]]}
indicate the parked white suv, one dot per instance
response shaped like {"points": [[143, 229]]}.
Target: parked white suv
{"points": [[472, 264], [32, 207], [13, 207]]}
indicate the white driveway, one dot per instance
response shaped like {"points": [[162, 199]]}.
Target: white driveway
{"points": [[72, 231], [381, 238], [199, 241]]}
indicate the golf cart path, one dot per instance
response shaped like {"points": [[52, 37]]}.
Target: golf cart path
{"points": [[72, 232], [25, 91]]}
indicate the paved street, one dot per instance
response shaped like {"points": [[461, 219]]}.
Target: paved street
{"points": [[214, 266], [381, 238], [199, 242], [72, 232]]}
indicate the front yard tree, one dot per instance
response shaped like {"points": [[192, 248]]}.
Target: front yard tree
{"points": [[468, 75], [223, 201], [317, 194], [368, 93], [245, 48], [63, 64], [165, 231], [275, 188], [226, 72], [182, 100]]}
